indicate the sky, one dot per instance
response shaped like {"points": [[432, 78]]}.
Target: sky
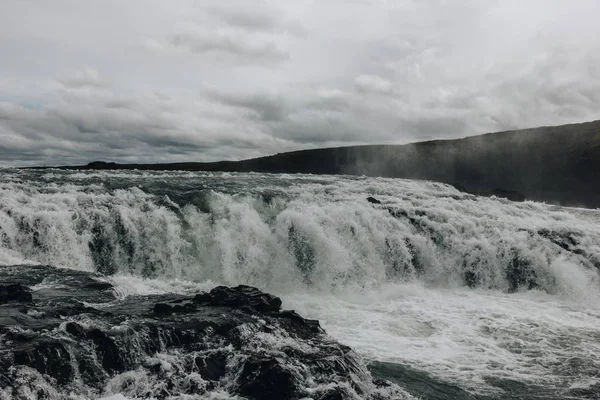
{"points": [[206, 80]]}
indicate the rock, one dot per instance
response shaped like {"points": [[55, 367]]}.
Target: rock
{"points": [[75, 329], [373, 200], [230, 339], [266, 379], [239, 296], [107, 351], [15, 292], [162, 308], [303, 326], [212, 367], [49, 357]]}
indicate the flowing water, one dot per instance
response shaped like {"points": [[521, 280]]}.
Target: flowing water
{"points": [[447, 294]]}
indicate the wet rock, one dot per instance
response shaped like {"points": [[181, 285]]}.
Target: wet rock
{"points": [[212, 367], [266, 379], [107, 351], [239, 296], [303, 326], [75, 329], [373, 200], [233, 339], [49, 357], [162, 308], [14, 292]]}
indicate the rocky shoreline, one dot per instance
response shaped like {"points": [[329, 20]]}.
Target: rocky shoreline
{"points": [[66, 332]]}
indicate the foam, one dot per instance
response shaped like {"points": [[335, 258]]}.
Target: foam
{"points": [[393, 287], [308, 231], [463, 336]]}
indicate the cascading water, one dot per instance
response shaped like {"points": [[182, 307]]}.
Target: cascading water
{"points": [[472, 292]]}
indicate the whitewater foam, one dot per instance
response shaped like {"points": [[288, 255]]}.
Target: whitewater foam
{"points": [[462, 287], [465, 337]]}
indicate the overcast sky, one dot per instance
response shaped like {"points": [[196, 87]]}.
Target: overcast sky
{"points": [[202, 80]]}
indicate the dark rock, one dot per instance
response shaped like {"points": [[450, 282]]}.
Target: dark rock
{"points": [[293, 320], [225, 334], [49, 357], [212, 366], [202, 298], [184, 308], [14, 292], [107, 351], [239, 296], [266, 379], [373, 200], [162, 308], [75, 329]]}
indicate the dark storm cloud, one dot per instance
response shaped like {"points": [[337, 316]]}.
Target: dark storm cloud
{"points": [[185, 80]]}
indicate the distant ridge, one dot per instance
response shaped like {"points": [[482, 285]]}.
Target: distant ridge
{"points": [[558, 164]]}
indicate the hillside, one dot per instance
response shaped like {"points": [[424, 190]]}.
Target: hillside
{"points": [[554, 164]]}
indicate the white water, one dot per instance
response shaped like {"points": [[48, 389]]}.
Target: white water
{"points": [[392, 288], [464, 336]]}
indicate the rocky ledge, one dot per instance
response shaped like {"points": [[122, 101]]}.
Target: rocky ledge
{"points": [[66, 334]]}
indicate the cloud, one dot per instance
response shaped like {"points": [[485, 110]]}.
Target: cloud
{"points": [[86, 78], [233, 47], [256, 19], [250, 19], [146, 127], [372, 83], [213, 80], [267, 107]]}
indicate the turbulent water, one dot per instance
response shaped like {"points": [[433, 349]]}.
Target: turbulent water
{"points": [[447, 294]]}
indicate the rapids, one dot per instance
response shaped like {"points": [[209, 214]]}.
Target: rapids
{"points": [[480, 294]]}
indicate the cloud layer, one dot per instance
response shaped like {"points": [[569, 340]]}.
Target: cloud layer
{"points": [[155, 81]]}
